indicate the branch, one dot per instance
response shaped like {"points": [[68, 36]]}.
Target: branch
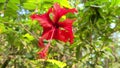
{"points": [[29, 31]]}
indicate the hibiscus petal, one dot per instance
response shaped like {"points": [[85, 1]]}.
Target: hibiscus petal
{"points": [[59, 12], [67, 25], [61, 35], [43, 19], [46, 35], [71, 36]]}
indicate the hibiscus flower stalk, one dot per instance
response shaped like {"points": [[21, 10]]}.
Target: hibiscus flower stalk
{"points": [[43, 53]]}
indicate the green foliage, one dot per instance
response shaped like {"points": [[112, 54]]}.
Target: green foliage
{"points": [[2, 28], [96, 31], [2, 1], [58, 63]]}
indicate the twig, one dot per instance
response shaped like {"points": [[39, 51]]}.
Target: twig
{"points": [[29, 32]]}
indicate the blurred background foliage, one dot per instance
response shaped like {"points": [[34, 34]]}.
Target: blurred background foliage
{"points": [[96, 31]]}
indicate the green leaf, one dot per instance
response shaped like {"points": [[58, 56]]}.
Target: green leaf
{"points": [[34, 1], [10, 12], [29, 6], [32, 4], [2, 28], [11, 9], [29, 37], [107, 49], [13, 6], [75, 44], [114, 3], [58, 63], [46, 5], [15, 1], [78, 53], [2, 1], [65, 3]]}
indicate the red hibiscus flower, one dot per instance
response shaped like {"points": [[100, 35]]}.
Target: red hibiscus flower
{"points": [[54, 28]]}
